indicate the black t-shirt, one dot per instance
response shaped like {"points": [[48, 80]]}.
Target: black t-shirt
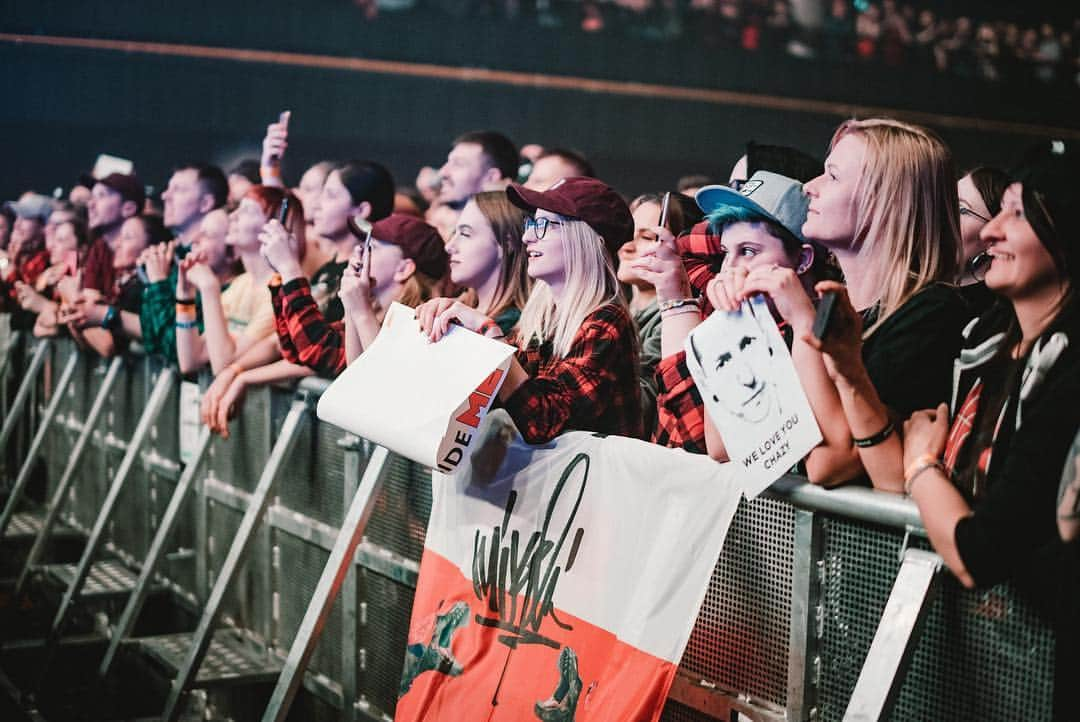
{"points": [[910, 356]]}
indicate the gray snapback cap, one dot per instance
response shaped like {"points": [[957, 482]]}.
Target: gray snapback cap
{"points": [[775, 196]]}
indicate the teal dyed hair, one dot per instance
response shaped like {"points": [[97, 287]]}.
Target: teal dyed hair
{"points": [[725, 216]]}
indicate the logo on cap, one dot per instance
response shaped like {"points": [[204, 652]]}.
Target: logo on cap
{"points": [[750, 186]]}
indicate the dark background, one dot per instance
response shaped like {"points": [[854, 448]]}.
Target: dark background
{"points": [[62, 106]]}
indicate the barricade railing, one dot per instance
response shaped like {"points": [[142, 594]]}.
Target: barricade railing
{"points": [[790, 614]]}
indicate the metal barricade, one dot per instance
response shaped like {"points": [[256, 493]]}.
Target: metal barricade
{"points": [[790, 613]]}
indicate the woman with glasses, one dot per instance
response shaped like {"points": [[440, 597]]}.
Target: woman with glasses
{"points": [[886, 206], [576, 363], [980, 193]]}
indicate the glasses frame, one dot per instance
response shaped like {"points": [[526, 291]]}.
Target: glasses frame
{"points": [[539, 226], [965, 211]]}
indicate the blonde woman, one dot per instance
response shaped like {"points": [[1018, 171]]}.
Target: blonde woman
{"points": [[887, 207], [576, 363]]}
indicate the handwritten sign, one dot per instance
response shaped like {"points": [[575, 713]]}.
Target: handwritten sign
{"points": [[752, 393], [420, 399]]}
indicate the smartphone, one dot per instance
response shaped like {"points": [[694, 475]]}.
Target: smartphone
{"points": [[664, 210], [362, 228], [283, 119], [823, 317], [283, 213]]}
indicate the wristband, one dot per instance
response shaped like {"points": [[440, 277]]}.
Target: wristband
{"points": [[921, 464], [270, 171], [681, 311], [110, 317], [875, 439], [487, 325], [679, 303], [185, 308], [185, 301], [187, 324]]}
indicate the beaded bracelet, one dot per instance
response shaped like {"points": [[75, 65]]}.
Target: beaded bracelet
{"points": [[875, 439], [921, 464], [679, 310]]}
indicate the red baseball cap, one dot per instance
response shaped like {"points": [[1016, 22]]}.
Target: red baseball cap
{"points": [[417, 240], [128, 186], [586, 199]]}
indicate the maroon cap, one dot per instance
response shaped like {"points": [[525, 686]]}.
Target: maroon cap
{"points": [[586, 199], [127, 186], [417, 240]]}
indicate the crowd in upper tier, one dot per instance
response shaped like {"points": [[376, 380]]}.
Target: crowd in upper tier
{"points": [[919, 36], [950, 371]]}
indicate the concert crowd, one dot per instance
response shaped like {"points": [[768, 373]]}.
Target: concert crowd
{"points": [[948, 369]]}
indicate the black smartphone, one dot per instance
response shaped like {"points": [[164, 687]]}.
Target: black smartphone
{"points": [[823, 317], [283, 213]]}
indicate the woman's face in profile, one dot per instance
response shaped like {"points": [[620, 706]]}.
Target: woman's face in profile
{"points": [[1020, 265], [832, 216]]}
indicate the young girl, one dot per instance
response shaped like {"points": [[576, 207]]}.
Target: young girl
{"points": [[576, 364], [488, 258], [241, 315]]}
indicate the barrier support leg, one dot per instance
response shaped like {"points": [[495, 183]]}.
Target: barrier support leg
{"points": [[52, 511], [162, 388], [333, 575], [153, 556], [245, 535], [886, 663], [23, 394], [35, 445]]}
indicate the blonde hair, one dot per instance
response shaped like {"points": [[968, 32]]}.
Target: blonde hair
{"points": [[907, 211], [590, 284], [417, 288]]}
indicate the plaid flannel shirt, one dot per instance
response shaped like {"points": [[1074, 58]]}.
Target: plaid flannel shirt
{"points": [[701, 254], [305, 336], [595, 388], [680, 422]]}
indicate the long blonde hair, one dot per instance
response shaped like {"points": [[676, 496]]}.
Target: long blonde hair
{"points": [[907, 211], [590, 284]]}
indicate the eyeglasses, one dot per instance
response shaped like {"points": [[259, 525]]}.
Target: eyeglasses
{"points": [[965, 211], [539, 226], [979, 265]]}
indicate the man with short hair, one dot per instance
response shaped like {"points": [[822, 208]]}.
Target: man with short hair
{"points": [[113, 200], [483, 160], [194, 190], [555, 164]]}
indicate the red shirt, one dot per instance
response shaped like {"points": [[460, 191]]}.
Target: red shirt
{"points": [[305, 336], [98, 272], [594, 388]]}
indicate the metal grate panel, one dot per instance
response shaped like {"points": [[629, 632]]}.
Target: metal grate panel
{"points": [[741, 637], [383, 637], [301, 566], [105, 578], [400, 516], [675, 712], [312, 481], [229, 658]]}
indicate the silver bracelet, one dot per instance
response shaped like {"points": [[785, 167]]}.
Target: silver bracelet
{"points": [[679, 303]]}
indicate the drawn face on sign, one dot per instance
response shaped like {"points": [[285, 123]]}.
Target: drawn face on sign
{"points": [[737, 369]]}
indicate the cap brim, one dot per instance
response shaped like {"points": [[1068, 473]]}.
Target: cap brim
{"points": [[530, 200], [714, 197]]}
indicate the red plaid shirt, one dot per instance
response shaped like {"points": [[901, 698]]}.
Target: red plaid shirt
{"points": [[701, 254], [680, 422], [305, 336], [27, 270], [595, 388]]}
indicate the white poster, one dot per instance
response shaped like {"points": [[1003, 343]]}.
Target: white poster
{"points": [[752, 393], [419, 399]]}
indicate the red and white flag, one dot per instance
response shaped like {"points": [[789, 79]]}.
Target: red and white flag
{"points": [[561, 582]]}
